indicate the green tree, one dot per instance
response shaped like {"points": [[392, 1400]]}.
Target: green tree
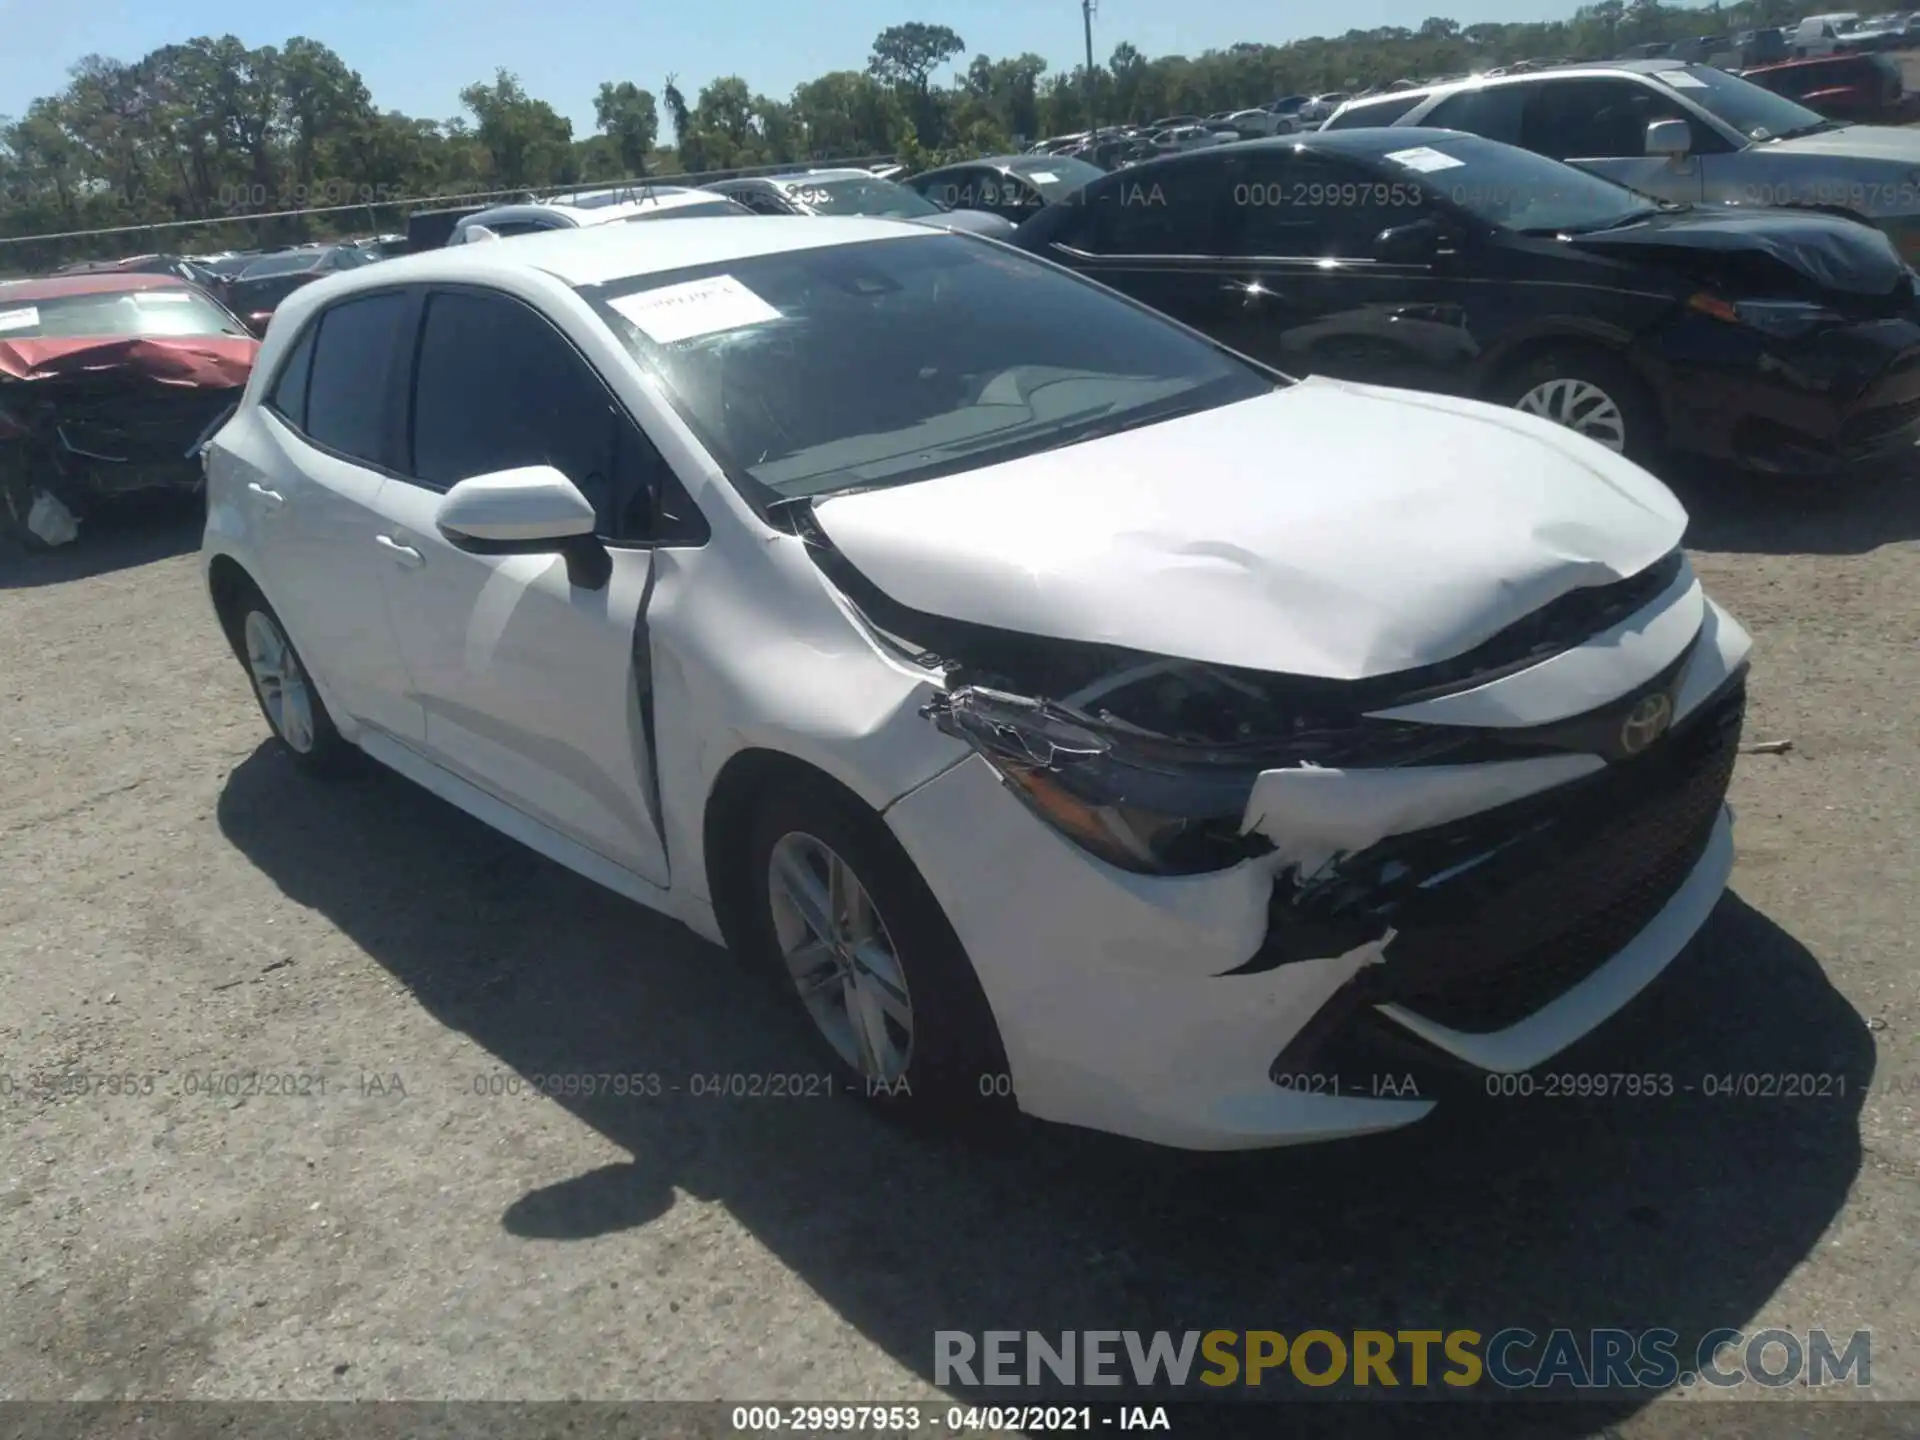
{"points": [[628, 116], [527, 142]]}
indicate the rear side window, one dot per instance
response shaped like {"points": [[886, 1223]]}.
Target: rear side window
{"points": [[1384, 112], [289, 396], [1493, 112], [347, 391], [1170, 210]]}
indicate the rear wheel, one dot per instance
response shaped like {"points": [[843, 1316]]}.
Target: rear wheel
{"points": [[286, 694], [1590, 392]]}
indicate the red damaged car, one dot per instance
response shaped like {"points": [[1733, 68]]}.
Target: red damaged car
{"points": [[108, 383]]}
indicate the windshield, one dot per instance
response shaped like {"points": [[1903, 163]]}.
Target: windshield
{"points": [[851, 366], [116, 314], [1507, 186], [1058, 175], [1756, 113], [854, 195]]}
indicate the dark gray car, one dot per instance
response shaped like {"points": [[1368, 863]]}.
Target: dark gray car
{"points": [[1013, 186]]}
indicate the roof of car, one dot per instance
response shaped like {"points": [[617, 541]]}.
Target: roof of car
{"points": [[101, 282], [594, 254]]}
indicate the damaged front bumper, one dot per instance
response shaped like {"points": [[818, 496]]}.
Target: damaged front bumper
{"points": [[1512, 904]]}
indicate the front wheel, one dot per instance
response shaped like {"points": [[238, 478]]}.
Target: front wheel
{"points": [[1590, 392], [856, 937]]}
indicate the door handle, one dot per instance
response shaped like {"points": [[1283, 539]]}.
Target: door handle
{"points": [[405, 554], [272, 497]]}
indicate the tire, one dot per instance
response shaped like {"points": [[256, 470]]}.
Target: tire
{"points": [[949, 1071], [289, 702], [1625, 419]]}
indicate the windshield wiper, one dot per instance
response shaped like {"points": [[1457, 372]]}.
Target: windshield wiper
{"points": [[1819, 127]]}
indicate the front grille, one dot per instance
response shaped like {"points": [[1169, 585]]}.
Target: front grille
{"points": [[1503, 912], [154, 428], [1868, 426]]}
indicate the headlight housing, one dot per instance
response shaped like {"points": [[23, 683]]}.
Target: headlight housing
{"points": [[1782, 319], [1153, 813]]}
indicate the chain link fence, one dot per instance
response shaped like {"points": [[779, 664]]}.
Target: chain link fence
{"points": [[259, 216]]}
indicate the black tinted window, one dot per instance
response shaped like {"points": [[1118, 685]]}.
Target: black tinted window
{"points": [[1165, 210], [1493, 112], [1584, 119], [497, 387], [1311, 205], [347, 393], [289, 395]]}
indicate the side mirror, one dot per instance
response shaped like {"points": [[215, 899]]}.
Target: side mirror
{"points": [[529, 509], [1670, 138], [1415, 243]]}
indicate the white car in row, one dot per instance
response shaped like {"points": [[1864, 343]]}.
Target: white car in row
{"points": [[1073, 715], [594, 207]]}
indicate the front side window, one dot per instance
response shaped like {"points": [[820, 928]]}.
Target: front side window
{"points": [[497, 387], [347, 392], [852, 366], [1602, 118], [1316, 205]]}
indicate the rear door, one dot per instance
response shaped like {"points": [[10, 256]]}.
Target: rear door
{"points": [[315, 461], [1155, 234], [1302, 285], [535, 678]]}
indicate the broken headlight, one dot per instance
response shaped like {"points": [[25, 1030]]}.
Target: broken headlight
{"points": [[1782, 319], [1151, 813]]}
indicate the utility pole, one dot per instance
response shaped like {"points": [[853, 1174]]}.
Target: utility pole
{"points": [[1086, 16]]}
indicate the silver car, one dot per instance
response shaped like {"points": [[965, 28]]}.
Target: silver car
{"points": [[1685, 132]]}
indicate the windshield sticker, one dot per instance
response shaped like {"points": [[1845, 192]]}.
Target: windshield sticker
{"points": [[163, 297], [1423, 159], [1682, 79], [1044, 177], [699, 307], [27, 319]]}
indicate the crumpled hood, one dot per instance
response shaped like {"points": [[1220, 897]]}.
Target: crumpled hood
{"points": [[1864, 142], [1831, 251], [1328, 529], [192, 362]]}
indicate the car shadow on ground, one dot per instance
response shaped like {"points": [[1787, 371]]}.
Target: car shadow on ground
{"points": [[1745, 513], [136, 531], [1685, 1212]]}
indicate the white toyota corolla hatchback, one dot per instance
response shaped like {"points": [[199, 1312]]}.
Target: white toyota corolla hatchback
{"points": [[1078, 716]]}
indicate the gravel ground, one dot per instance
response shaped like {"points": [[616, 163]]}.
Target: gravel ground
{"points": [[176, 902]]}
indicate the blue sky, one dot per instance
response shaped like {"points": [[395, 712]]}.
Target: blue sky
{"points": [[415, 55]]}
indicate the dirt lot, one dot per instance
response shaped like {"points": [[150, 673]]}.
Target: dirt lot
{"points": [[177, 904]]}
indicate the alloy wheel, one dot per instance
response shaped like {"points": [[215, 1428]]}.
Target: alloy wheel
{"points": [[283, 687], [1582, 407], [842, 960]]}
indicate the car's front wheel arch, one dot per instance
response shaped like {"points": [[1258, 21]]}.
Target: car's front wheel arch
{"points": [[762, 799]]}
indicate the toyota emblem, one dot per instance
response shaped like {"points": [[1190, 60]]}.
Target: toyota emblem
{"points": [[1645, 723]]}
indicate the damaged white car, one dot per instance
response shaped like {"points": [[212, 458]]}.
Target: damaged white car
{"points": [[1073, 715]]}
